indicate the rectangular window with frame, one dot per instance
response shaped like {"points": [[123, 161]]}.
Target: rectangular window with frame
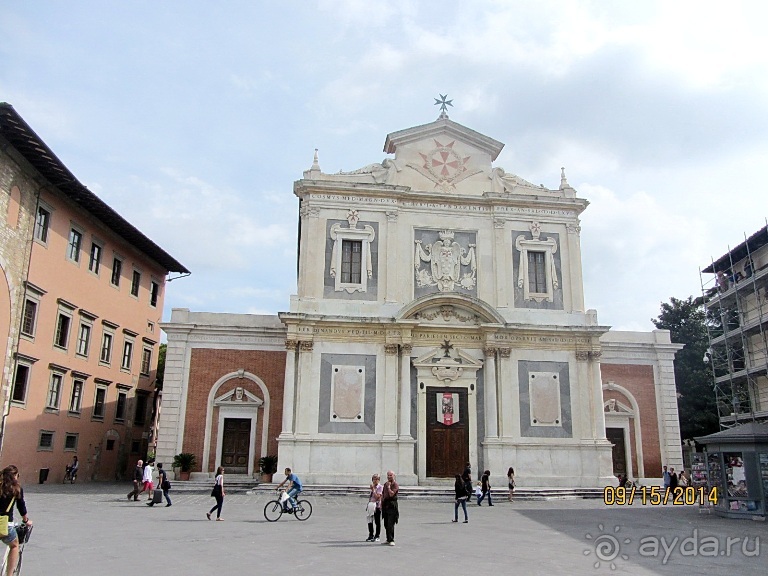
{"points": [[122, 400], [99, 402], [42, 223], [74, 244], [76, 398], [20, 383], [146, 361], [106, 348], [45, 440], [83, 340], [537, 272], [127, 355], [351, 261], [95, 261], [62, 331], [29, 320], [54, 391], [70, 442], [154, 293], [140, 416], [117, 270], [135, 283]]}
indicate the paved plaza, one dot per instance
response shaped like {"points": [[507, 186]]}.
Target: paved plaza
{"points": [[92, 529]]}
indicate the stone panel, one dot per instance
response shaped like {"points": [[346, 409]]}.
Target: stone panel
{"points": [[366, 362], [527, 369]]}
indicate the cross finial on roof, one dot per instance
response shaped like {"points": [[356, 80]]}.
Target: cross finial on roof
{"points": [[443, 103]]}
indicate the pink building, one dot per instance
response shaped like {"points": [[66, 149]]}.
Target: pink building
{"points": [[80, 307]]}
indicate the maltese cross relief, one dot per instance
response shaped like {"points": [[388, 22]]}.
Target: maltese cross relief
{"points": [[443, 166]]}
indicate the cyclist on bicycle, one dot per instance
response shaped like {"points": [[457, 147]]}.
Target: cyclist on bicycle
{"points": [[294, 488], [72, 468], [11, 492]]}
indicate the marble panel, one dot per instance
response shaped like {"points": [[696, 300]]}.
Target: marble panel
{"points": [[347, 363], [329, 282], [564, 429]]}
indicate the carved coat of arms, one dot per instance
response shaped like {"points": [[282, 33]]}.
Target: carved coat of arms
{"points": [[446, 257]]}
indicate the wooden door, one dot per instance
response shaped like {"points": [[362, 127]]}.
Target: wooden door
{"points": [[447, 432], [616, 437], [235, 445]]}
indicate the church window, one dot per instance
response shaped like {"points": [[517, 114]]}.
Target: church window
{"points": [[351, 261], [537, 275]]}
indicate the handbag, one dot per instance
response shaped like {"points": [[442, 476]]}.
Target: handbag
{"points": [[166, 485], [4, 519]]}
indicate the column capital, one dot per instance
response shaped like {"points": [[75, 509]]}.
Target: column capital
{"points": [[390, 349], [307, 345], [406, 349], [489, 351], [505, 352], [291, 345]]}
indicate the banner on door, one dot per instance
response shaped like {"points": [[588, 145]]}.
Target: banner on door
{"points": [[447, 408]]}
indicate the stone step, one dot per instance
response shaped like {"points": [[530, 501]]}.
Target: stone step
{"points": [[251, 485]]}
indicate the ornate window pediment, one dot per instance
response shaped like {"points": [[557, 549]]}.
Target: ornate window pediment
{"points": [[351, 256], [613, 406], [537, 275]]}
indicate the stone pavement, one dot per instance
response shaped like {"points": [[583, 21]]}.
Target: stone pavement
{"points": [[86, 529]]}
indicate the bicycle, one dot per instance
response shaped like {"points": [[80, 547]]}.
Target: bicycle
{"points": [[70, 475], [23, 531], [274, 508]]}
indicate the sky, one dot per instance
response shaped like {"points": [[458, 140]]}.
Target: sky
{"points": [[193, 119]]}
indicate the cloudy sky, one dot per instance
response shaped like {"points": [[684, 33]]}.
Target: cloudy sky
{"points": [[193, 119]]}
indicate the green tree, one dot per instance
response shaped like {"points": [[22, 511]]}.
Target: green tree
{"points": [[686, 322], [160, 374]]}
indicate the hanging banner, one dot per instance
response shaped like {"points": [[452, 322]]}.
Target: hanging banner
{"points": [[447, 408]]}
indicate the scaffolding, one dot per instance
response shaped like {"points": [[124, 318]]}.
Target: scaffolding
{"points": [[735, 295]]}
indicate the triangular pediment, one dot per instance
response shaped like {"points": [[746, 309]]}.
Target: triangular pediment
{"points": [[238, 396], [448, 363], [613, 406], [442, 129]]}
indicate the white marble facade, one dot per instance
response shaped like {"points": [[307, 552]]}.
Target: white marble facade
{"points": [[439, 318], [447, 299]]}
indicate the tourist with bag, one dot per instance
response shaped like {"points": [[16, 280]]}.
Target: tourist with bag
{"points": [[461, 499], [373, 509], [165, 485], [11, 493], [218, 493]]}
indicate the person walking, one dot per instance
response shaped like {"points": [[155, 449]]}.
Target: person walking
{"points": [[218, 493], [138, 475], [164, 484], [511, 482], [486, 488], [466, 476], [146, 478], [373, 509], [11, 492], [461, 499], [389, 509], [667, 479]]}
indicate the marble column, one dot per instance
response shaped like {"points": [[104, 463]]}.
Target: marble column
{"points": [[390, 391], [405, 391], [491, 405], [303, 387], [289, 389]]}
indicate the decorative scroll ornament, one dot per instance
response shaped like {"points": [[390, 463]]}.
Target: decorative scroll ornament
{"points": [[446, 258]]}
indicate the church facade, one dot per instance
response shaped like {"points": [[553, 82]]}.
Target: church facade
{"points": [[439, 319]]}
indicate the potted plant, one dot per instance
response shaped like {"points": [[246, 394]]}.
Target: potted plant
{"points": [[268, 465], [184, 461]]}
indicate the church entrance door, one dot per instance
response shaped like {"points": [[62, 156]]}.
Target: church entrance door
{"points": [[616, 437], [235, 445], [447, 431]]}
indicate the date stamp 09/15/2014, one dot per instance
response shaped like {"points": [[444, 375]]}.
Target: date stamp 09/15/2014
{"points": [[658, 496]]}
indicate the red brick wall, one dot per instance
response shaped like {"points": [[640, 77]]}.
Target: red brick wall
{"points": [[640, 383], [206, 367]]}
